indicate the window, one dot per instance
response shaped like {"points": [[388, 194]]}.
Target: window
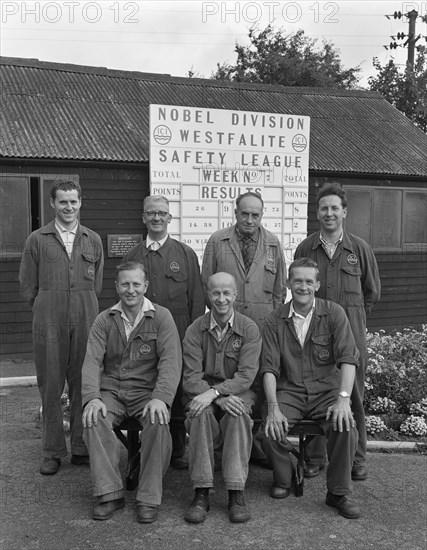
{"points": [[24, 207], [388, 218]]}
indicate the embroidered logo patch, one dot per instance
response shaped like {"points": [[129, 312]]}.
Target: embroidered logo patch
{"points": [[270, 259], [324, 354], [144, 349], [91, 271], [174, 266], [237, 344], [352, 259]]}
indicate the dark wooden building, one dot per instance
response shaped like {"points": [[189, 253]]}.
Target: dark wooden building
{"points": [[91, 124]]}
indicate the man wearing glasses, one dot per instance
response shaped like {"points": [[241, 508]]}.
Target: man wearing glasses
{"points": [[174, 282]]}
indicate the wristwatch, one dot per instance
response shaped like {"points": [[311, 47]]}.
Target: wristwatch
{"points": [[344, 394], [216, 391]]}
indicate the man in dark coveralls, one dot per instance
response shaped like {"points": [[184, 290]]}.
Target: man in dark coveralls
{"points": [[308, 364], [132, 367], [348, 275], [174, 282], [61, 277]]}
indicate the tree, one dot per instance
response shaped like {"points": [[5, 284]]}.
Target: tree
{"points": [[406, 90], [290, 60]]}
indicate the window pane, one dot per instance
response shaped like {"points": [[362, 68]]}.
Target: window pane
{"points": [[14, 214], [358, 220], [387, 218], [415, 217]]}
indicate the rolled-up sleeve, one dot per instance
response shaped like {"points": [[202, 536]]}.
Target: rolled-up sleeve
{"points": [[345, 349], [270, 356], [169, 352], [93, 364]]}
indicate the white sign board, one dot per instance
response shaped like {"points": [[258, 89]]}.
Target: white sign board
{"points": [[203, 159]]}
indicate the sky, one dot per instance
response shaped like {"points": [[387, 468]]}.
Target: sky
{"points": [[174, 37]]}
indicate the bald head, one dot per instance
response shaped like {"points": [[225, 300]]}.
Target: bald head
{"points": [[222, 292], [222, 278]]}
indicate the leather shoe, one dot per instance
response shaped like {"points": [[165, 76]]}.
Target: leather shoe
{"points": [[278, 490], [345, 506], [80, 460], [312, 471], [105, 510], [50, 466], [146, 514], [359, 472], [196, 513], [237, 509], [179, 463]]}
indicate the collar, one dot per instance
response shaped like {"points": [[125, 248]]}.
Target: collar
{"points": [[326, 242], [253, 237], [62, 229], [346, 240], [213, 322], [146, 306], [51, 228], [293, 312], [150, 241]]}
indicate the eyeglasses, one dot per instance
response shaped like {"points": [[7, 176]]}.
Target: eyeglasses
{"points": [[150, 214]]}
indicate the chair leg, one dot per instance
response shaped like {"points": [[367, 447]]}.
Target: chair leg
{"points": [[132, 473], [299, 481]]}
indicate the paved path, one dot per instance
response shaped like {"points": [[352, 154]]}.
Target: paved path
{"points": [[54, 512]]}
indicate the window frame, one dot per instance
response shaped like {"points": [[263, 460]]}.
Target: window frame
{"points": [[43, 199], [404, 247]]}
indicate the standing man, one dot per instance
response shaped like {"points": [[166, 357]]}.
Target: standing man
{"points": [[61, 277], [132, 368], [253, 256], [221, 360], [308, 363], [348, 273], [175, 283]]}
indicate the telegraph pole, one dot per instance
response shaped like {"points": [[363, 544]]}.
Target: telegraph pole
{"points": [[411, 37], [412, 15]]}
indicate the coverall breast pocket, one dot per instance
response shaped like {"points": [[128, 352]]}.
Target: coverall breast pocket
{"points": [[177, 285], [144, 348], [269, 278], [89, 262], [351, 277], [323, 349]]}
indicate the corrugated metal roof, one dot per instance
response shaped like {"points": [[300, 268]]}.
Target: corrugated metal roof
{"points": [[60, 111]]}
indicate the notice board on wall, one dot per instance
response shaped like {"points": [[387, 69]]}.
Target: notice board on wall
{"points": [[203, 159]]}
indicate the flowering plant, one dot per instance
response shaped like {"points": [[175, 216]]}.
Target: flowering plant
{"points": [[396, 382]]}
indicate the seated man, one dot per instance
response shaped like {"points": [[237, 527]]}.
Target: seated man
{"points": [[221, 357], [308, 365], [132, 368]]}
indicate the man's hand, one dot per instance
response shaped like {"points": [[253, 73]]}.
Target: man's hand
{"points": [[341, 415], [200, 402], [159, 407], [274, 423], [90, 413], [231, 404]]}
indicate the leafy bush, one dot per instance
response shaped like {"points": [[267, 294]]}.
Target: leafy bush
{"points": [[396, 381], [419, 409], [414, 425], [374, 425]]}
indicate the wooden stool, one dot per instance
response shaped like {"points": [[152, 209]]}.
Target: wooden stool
{"points": [[305, 430], [132, 443]]}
